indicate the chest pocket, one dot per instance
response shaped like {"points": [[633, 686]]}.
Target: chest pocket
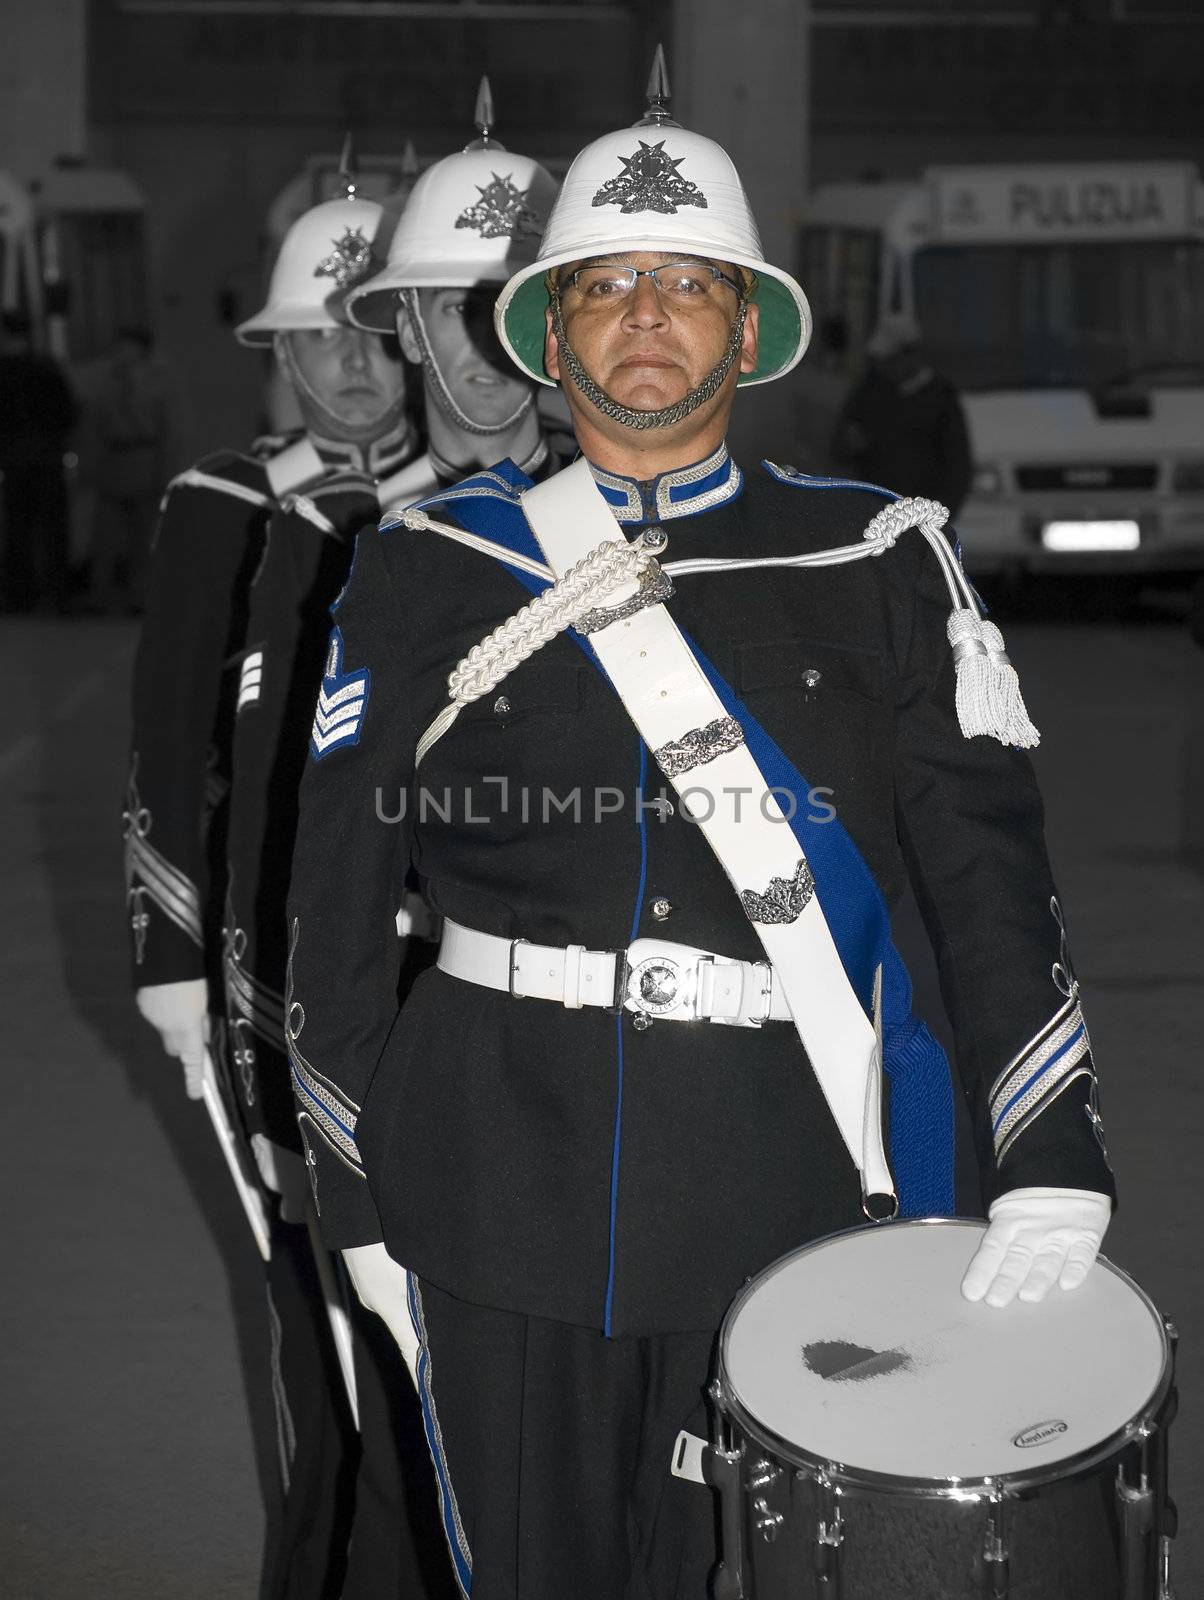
{"points": [[811, 671], [532, 691], [825, 706]]}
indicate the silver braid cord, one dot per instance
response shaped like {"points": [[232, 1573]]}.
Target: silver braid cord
{"points": [[444, 398], [580, 590], [640, 420]]}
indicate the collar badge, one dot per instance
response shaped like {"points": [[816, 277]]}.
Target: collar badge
{"points": [[348, 261], [502, 211], [650, 181]]}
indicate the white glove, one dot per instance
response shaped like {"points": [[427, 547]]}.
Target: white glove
{"points": [[283, 1172], [1037, 1237], [179, 1012], [384, 1287]]}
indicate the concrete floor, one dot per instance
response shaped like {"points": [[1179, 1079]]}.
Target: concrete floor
{"points": [[129, 1467]]}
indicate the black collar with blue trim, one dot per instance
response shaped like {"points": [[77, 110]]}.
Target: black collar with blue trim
{"points": [[684, 492]]}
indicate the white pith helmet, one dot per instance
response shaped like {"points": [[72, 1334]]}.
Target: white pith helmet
{"points": [[330, 248], [655, 187], [472, 218]]}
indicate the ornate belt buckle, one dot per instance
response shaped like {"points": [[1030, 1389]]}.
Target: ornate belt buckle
{"points": [[661, 985]]}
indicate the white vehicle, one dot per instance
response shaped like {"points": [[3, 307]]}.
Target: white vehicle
{"points": [[1066, 303]]}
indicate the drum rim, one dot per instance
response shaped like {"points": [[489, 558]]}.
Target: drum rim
{"points": [[1146, 1418]]}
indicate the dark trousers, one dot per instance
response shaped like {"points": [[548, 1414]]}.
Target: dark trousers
{"points": [[553, 1448], [357, 1515]]}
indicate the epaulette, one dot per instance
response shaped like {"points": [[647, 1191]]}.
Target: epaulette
{"points": [[227, 472], [808, 480]]}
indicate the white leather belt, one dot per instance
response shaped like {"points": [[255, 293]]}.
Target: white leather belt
{"points": [[657, 977]]}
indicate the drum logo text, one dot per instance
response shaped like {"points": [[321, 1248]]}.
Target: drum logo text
{"points": [[1040, 1433]]}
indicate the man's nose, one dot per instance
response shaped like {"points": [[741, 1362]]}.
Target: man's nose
{"points": [[355, 351], [645, 306]]}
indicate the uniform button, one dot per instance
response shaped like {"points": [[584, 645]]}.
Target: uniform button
{"points": [[662, 807], [662, 910], [812, 676], [655, 539], [641, 1021], [501, 706]]}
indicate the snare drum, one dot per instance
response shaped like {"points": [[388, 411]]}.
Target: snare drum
{"points": [[877, 1437]]}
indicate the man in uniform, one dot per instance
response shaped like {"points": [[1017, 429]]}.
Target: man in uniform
{"points": [[192, 671], [573, 1159], [304, 566]]}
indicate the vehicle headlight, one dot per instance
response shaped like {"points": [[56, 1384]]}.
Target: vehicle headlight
{"points": [[1188, 477], [987, 480]]}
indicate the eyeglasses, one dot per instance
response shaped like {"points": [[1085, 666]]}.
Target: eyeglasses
{"points": [[679, 281]]}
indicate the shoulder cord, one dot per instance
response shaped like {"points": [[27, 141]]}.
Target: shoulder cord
{"points": [[988, 695]]}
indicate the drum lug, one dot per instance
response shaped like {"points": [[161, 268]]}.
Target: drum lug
{"points": [[829, 1537], [767, 1521], [995, 1562]]}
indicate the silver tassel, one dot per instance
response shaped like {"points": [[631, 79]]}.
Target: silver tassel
{"points": [[988, 690]]}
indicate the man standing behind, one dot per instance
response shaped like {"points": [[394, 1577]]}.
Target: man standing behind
{"points": [[903, 423], [191, 673]]}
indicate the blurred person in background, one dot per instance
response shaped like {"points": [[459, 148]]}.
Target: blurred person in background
{"points": [[339, 1520], [903, 423], [37, 413], [133, 448]]}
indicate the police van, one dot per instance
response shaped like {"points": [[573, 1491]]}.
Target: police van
{"points": [[1066, 303]]}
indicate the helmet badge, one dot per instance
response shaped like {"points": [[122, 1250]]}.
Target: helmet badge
{"points": [[348, 261], [650, 181], [502, 211]]}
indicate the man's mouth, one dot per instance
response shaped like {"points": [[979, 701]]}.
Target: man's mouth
{"points": [[646, 358]]}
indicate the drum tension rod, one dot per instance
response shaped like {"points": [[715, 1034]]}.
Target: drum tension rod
{"points": [[996, 1567]]}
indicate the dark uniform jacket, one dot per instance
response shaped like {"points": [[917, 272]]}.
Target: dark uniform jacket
{"points": [[209, 540], [562, 1163], [306, 557]]}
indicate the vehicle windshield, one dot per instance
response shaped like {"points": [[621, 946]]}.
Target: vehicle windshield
{"points": [[1062, 316]]}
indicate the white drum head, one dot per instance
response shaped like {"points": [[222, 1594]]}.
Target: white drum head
{"points": [[860, 1350]]}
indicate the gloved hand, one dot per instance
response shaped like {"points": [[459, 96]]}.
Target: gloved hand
{"points": [[1037, 1237], [383, 1286], [283, 1172], [180, 1014]]}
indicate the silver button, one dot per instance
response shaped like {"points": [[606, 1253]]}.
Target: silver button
{"points": [[662, 910], [501, 706], [641, 1020], [655, 539], [662, 807], [812, 676]]}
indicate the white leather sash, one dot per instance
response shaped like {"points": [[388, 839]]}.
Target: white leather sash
{"points": [[671, 702]]}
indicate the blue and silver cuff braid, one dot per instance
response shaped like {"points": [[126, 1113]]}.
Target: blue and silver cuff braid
{"points": [[627, 415]]}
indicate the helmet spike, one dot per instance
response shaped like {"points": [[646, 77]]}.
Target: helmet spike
{"points": [[409, 161], [656, 114], [348, 167], [483, 117]]}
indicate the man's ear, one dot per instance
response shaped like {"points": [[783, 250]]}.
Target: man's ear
{"points": [[551, 349], [748, 345], [410, 347]]}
